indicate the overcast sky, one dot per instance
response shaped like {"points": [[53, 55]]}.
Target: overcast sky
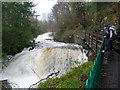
{"points": [[44, 7]]}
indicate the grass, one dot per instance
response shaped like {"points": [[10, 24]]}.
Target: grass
{"points": [[75, 78]]}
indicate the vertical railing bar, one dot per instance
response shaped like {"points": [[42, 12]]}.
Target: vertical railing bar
{"points": [[97, 68]]}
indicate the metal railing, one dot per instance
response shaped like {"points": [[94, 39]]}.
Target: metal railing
{"points": [[94, 78]]}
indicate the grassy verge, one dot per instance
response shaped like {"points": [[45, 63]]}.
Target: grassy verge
{"points": [[76, 78]]}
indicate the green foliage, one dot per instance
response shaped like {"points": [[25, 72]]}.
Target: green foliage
{"points": [[98, 12], [17, 28], [66, 16], [80, 16], [73, 79], [70, 83]]}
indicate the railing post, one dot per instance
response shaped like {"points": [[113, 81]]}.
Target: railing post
{"points": [[94, 78], [96, 43], [90, 40]]}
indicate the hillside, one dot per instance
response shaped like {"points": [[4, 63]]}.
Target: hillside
{"points": [[95, 15]]}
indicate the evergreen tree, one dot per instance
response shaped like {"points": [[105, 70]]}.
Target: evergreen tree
{"points": [[17, 28]]}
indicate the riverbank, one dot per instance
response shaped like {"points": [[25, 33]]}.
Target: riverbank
{"points": [[47, 57], [75, 78]]}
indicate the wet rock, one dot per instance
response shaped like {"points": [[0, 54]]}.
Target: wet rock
{"points": [[5, 83], [31, 48], [45, 58]]}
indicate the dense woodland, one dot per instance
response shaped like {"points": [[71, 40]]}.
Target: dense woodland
{"points": [[17, 27], [69, 20]]}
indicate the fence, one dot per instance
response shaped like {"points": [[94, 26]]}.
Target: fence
{"points": [[94, 78], [94, 41]]}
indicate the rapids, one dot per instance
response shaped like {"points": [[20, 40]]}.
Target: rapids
{"points": [[48, 56]]}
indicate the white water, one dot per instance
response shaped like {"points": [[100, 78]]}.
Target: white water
{"points": [[47, 57]]}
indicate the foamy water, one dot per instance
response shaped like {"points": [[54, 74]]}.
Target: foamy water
{"points": [[47, 57]]}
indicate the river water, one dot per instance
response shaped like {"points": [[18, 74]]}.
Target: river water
{"points": [[48, 56]]}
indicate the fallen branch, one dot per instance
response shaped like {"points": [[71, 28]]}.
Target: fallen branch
{"points": [[56, 73]]}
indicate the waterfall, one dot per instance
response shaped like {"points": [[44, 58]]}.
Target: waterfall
{"points": [[47, 57]]}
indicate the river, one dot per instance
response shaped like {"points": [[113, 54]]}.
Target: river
{"points": [[48, 56]]}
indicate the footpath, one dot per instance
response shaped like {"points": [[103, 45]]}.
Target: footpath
{"points": [[110, 72]]}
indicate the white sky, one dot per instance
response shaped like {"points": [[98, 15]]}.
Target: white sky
{"points": [[44, 7]]}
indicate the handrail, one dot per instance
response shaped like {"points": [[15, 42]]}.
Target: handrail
{"points": [[93, 41], [94, 78]]}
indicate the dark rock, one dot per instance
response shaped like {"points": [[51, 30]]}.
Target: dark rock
{"points": [[5, 84], [31, 48]]}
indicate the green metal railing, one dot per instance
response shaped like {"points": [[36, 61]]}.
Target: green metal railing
{"points": [[94, 78]]}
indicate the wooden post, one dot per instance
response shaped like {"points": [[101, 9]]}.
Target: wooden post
{"points": [[96, 44], [93, 41]]}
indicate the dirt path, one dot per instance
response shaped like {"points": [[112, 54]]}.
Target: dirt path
{"points": [[110, 73]]}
